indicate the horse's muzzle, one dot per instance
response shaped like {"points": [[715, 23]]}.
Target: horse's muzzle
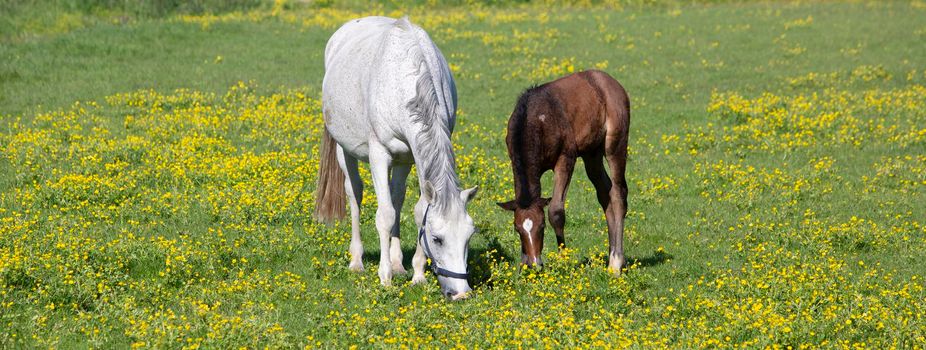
{"points": [[457, 296], [454, 288]]}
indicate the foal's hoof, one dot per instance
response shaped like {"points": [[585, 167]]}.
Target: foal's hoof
{"points": [[616, 269], [398, 269], [356, 266]]}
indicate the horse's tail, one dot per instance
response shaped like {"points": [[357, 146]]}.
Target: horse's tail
{"points": [[329, 190]]}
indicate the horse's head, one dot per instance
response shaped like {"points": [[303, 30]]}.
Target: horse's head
{"points": [[444, 232], [529, 222]]}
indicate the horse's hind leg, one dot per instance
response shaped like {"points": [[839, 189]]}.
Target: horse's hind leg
{"points": [[397, 185], [353, 186], [594, 168], [380, 163], [616, 153], [562, 175], [613, 209]]}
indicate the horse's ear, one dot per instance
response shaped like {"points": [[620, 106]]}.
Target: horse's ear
{"points": [[509, 205], [428, 191], [545, 201], [468, 194]]}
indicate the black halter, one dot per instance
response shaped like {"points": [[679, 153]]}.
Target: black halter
{"points": [[427, 252]]}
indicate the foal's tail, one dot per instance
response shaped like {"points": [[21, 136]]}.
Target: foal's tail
{"points": [[329, 191]]}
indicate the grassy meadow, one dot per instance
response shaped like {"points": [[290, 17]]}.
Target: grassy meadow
{"points": [[157, 178]]}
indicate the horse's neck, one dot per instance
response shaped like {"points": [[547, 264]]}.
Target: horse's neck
{"points": [[433, 116], [436, 163]]}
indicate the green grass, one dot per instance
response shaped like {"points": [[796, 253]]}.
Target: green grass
{"points": [[671, 60]]}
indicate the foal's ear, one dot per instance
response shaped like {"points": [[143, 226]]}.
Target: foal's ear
{"points": [[545, 201], [428, 192], [468, 194], [509, 205]]}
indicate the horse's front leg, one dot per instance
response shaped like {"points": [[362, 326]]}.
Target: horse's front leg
{"points": [[419, 260], [380, 163], [562, 175], [397, 184]]}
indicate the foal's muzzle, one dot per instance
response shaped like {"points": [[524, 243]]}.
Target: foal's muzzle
{"points": [[532, 261]]}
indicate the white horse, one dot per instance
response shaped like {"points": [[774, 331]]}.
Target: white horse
{"points": [[389, 99]]}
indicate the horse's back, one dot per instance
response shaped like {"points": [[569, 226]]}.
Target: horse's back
{"points": [[353, 40], [350, 53]]}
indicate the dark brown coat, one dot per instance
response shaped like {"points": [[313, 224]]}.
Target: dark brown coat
{"points": [[586, 115]]}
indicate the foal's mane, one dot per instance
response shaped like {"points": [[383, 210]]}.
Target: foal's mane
{"points": [[526, 145]]}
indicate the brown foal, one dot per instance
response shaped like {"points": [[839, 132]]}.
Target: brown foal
{"points": [[586, 115]]}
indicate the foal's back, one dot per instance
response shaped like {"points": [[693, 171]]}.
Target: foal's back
{"points": [[595, 106]]}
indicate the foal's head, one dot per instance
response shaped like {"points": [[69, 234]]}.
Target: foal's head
{"points": [[529, 222], [528, 134]]}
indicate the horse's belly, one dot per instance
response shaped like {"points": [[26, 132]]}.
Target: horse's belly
{"points": [[355, 140], [399, 150], [354, 145], [352, 137]]}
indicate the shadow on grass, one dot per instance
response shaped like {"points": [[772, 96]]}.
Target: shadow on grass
{"points": [[480, 267], [657, 258], [654, 259], [479, 264]]}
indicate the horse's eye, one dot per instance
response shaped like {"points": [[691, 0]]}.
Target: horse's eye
{"points": [[438, 240]]}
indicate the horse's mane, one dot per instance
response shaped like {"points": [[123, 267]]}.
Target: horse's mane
{"points": [[433, 108]]}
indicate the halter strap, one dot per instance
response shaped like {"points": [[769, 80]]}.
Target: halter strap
{"points": [[427, 252]]}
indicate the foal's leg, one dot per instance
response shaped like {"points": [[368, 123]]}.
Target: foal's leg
{"points": [[353, 186], [380, 162], [397, 186], [616, 153], [562, 175], [604, 188]]}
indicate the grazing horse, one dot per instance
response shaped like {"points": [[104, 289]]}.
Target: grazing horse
{"points": [[586, 115], [389, 99]]}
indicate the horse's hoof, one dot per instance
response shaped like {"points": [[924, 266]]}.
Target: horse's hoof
{"points": [[356, 266], [385, 277], [419, 279], [398, 269]]}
